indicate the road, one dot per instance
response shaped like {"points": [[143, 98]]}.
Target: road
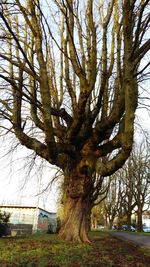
{"points": [[139, 239]]}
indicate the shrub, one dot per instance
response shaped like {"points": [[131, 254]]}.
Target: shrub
{"points": [[58, 225], [4, 219], [50, 229]]}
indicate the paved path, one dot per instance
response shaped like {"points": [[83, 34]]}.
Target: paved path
{"points": [[141, 240]]}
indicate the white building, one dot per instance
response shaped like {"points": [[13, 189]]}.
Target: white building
{"points": [[146, 218], [30, 218]]}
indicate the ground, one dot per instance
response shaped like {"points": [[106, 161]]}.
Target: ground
{"points": [[49, 251]]}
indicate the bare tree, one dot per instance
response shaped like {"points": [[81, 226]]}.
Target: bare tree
{"points": [[129, 191], [135, 180], [97, 200], [69, 89], [141, 176], [128, 183], [113, 204]]}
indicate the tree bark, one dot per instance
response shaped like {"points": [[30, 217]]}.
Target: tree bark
{"points": [[75, 226], [77, 203], [111, 223], [106, 222], [94, 223], [129, 219], [139, 217]]}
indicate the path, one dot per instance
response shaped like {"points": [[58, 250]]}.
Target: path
{"points": [[139, 239]]}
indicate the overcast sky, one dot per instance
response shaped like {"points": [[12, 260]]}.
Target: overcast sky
{"points": [[18, 186]]}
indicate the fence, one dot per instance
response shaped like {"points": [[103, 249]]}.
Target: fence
{"points": [[20, 229]]}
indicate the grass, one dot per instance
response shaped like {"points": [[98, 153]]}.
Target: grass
{"points": [[49, 251]]}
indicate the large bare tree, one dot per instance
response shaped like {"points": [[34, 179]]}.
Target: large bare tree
{"points": [[69, 89]]}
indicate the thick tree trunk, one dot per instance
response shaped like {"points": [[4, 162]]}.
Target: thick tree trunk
{"points": [[139, 217], [75, 226], [110, 223], [106, 221], [77, 205], [94, 223], [129, 213]]}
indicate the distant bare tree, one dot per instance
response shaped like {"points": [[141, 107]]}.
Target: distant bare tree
{"points": [[129, 191], [141, 176]]}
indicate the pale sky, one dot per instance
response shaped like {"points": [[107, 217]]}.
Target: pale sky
{"points": [[17, 186]]}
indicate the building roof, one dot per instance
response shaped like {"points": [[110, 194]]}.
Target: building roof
{"points": [[25, 207]]}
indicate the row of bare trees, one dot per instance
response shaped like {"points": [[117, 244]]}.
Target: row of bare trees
{"points": [[129, 192]]}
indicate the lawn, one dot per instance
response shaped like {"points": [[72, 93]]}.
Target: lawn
{"points": [[48, 250]]}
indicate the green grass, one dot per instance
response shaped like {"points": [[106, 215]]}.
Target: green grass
{"points": [[40, 251], [49, 251]]}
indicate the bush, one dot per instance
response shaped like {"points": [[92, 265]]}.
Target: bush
{"points": [[4, 219], [58, 225], [50, 229]]}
